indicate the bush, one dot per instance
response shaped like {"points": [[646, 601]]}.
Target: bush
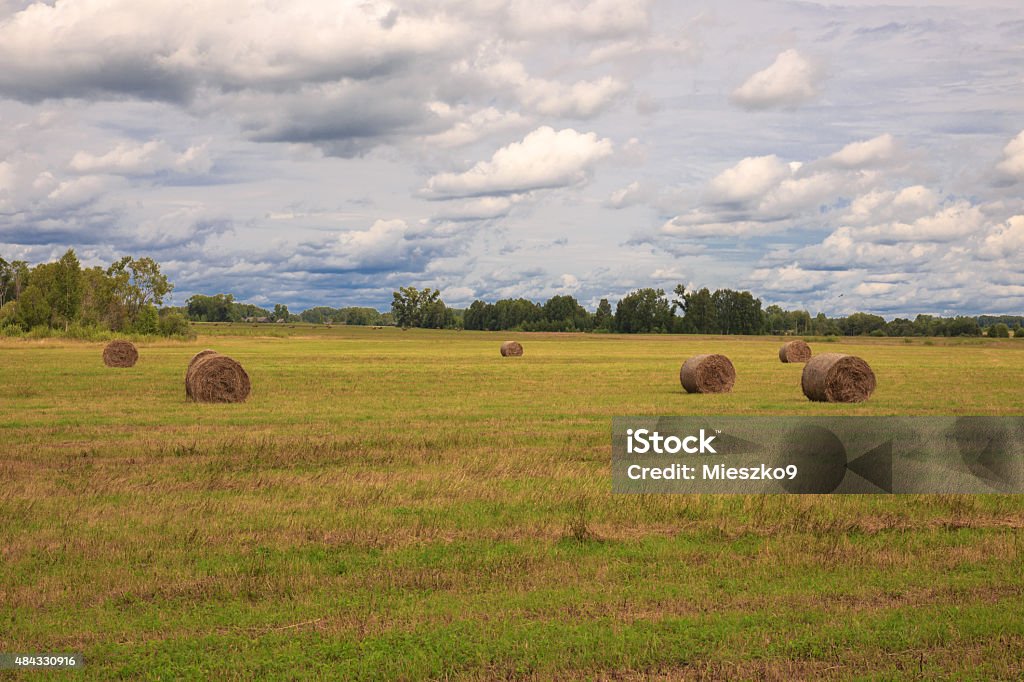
{"points": [[877, 332], [9, 314], [85, 332], [175, 324], [147, 322], [999, 331]]}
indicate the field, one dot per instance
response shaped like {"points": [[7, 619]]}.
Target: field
{"points": [[410, 505]]}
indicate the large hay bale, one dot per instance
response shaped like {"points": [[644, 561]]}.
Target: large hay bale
{"points": [[216, 378], [511, 349], [120, 354], [708, 373], [837, 378], [795, 351], [192, 363]]}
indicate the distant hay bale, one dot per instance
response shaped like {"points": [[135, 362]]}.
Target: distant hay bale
{"points": [[216, 378], [511, 349], [795, 351], [708, 373], [120, 354], [837, 378]]}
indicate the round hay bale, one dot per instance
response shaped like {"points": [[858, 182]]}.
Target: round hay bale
{"points": [[120, 354], [708, 373], [191, 363], [216, 378], [795, 351], [837, 378], [511, 349]]}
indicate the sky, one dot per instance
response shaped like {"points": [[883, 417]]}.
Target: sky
{"points": [[832, 156]]}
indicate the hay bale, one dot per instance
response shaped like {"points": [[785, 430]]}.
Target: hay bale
{"points": [[708, 373], [795, 351], [511, 349], [192, 363], [216, 378], [120, 354], [837, 378]]}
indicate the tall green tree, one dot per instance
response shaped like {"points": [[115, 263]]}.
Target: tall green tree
{"points": [[604, 319], [99, 305], [700, 316], [13, 279], [280, 313], [643, 311], [65, 297], [564, 313], [415, 308], [138, 282], [6, 282]]}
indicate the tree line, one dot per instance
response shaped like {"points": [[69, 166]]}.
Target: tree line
{"points": [[697, 311], [64, 296], [127, 295], [224, 308]]}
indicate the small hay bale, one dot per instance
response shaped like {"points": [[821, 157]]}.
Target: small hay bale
{"points": [[708, 373], [837, 378], [511, 349], [216, 378], [795, 351], [120, 354]]}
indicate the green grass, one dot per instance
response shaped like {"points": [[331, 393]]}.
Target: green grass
{"points": [[410, 505]]}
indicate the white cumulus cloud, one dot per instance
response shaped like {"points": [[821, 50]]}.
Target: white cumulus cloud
{"points": [[1013, 157], [866, 153], [544, 159], [750, 178], [792, 79]]}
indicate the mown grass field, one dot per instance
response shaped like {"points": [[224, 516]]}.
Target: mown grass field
{"points": [[410, 505]]}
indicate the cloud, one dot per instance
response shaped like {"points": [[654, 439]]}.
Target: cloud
{"points": [[388, 245], [168, 51], [347, 118], [143, 159], [586, 19], [467, 126], [790, 278], [480, 208], [544, 159], [582, 99], [568, 284], [904, 205], [765, 194], [642, 47], [749, 178], [951, 223], [867, 153], [346, 78], [1013, 158], [701, 225], [1005, 240], [791, 80], [630, 195]]}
